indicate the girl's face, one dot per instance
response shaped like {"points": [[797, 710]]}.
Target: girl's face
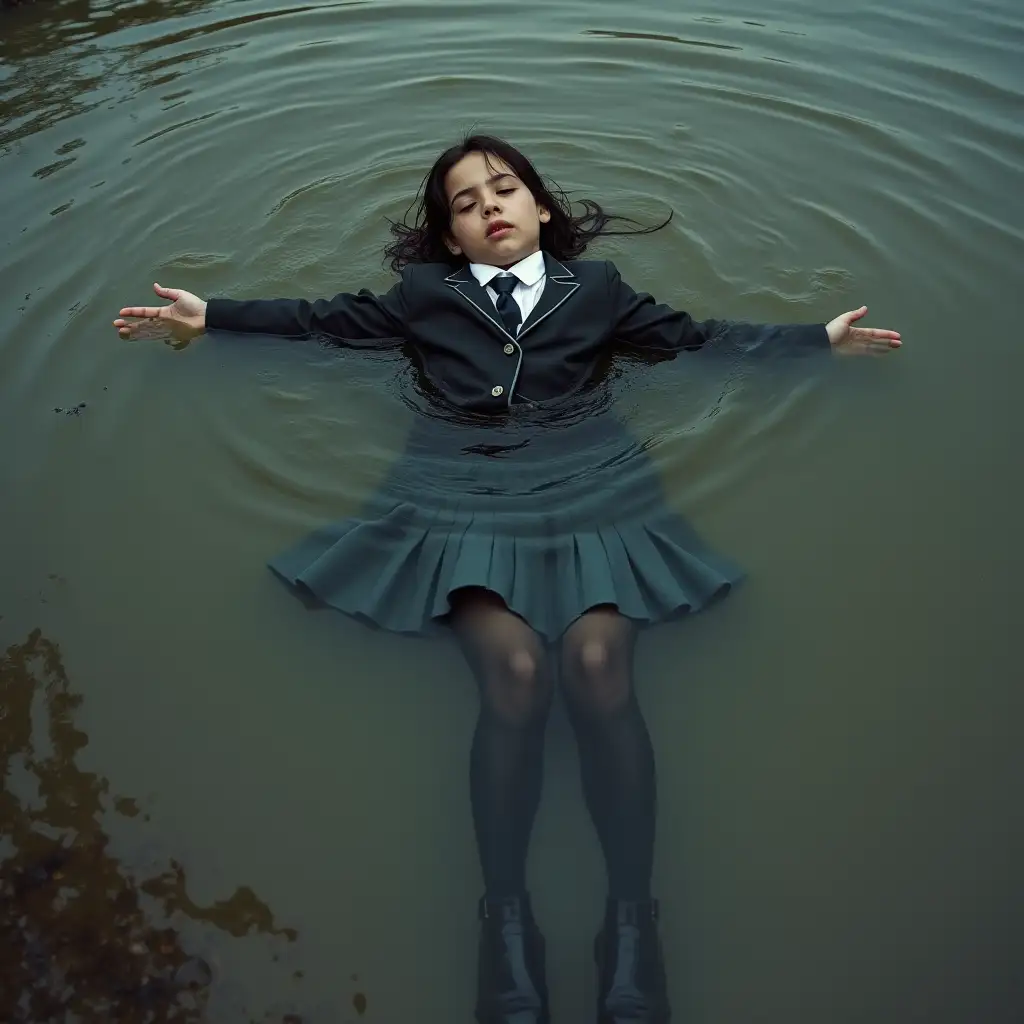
{"points": [[494, 217]]}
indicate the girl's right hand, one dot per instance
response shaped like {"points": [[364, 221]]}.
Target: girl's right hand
{"points": [[184, 318]]}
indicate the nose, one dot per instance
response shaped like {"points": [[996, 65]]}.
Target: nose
{"points": [[491, 206]]}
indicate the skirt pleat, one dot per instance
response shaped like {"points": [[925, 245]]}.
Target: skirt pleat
{"points": [[571, 519]]}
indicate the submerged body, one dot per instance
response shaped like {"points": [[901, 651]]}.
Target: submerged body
{"points": [[528, 521], [532, 490]]}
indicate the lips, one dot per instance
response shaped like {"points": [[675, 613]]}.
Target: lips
{"points": [[498, 226]]}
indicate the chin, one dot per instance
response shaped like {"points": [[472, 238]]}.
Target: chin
{"points": [[511, 250], [502, 252]]}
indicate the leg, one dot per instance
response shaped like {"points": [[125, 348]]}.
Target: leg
{"points": [[506, 761], [617, 765], [506, 768], [616, 757]]}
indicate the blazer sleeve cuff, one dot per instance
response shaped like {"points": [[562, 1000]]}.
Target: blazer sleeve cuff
{"points": [[770, 340], [218, 315], [810, 337], [230, 315]]}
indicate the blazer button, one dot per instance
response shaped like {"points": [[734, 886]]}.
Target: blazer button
{"points": [[497, 391], [509, 348]]}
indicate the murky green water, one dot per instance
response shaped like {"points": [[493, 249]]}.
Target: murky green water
{"points": [[838, 744]]}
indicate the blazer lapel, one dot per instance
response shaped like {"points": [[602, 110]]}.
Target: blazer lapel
{"points": [[560, 285], [466, 285]]}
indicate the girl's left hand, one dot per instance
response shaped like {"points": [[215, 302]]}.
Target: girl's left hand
{"points": [[849, 340]]}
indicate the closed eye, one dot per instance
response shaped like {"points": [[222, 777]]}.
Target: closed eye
{"points": [[507, 191]]}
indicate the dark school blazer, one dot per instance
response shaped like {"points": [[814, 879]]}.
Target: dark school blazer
{"points": [[455, 334]]}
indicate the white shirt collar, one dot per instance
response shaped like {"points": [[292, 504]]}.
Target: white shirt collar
{"points": [[529, 270]]}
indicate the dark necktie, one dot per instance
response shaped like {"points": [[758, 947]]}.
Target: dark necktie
{"points": [[508, 309]]}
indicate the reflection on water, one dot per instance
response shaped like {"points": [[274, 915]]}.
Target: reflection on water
{"points": [[53, 24], [78, 934], [62, 66]]}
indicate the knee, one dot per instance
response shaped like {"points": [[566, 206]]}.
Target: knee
{"points": [[594, 658], [519, 690], [596, 677]]}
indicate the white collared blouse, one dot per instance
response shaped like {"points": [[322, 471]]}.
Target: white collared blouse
{"points": [[527, 292]]}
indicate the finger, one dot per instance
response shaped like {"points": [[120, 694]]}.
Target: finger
{"points": [[878, 348], [875, 334], [153, 328], [149, 312], [170, 293], [129, 330], [867, 347], [855, 314]]}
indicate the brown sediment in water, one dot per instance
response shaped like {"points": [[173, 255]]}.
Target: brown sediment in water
{"points": [[79, 939]]}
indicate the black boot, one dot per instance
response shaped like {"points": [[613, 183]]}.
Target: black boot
{"points": [[511, 983], [630, 968]]}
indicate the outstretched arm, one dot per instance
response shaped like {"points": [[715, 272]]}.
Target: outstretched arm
{"points": [[643, 323], [355, 319], [640, 322]]}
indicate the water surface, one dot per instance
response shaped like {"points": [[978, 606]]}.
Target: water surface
{"points": [[838, 748]]}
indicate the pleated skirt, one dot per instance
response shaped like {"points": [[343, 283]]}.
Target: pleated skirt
{"points": [[555, 509]]}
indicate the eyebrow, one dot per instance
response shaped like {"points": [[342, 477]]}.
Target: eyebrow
{"points": [[490, 181]]}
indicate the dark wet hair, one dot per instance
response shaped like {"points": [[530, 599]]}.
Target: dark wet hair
{"points": [[566, 236]]}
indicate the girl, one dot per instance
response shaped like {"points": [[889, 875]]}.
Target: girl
{"points": [[524, 519]]}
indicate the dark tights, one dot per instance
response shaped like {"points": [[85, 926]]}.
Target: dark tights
{"points": [[516, 674]]}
